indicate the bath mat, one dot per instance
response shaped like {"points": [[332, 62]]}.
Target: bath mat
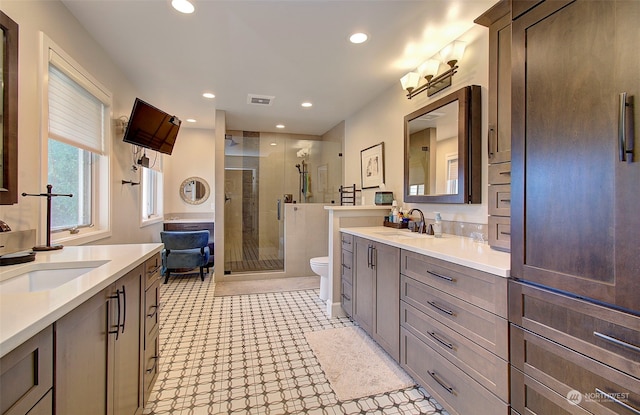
{"points": [[354, 364], [266, 286]]}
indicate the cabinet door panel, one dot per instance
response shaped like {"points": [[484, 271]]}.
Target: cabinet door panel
{"points": [[387, 298], [83, 349], [579, 200], [364, 285], [127, 375]]}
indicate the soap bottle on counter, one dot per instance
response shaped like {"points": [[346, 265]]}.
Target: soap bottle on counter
{"points": [[437, 226], [394, 212]]}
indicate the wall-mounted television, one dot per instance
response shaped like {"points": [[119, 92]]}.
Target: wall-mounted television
{"points": [[151, 128]]}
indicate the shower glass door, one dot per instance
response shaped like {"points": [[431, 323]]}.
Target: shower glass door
{"points": [[254, 188]]}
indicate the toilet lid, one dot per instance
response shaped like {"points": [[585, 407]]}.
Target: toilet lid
{"points": [[319, 260]]}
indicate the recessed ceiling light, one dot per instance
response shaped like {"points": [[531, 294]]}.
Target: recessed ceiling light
{"points": [[280, 126], [306, 104], [274, 143], [190, 120], [208, 95], [183, 6], [358, 38]]}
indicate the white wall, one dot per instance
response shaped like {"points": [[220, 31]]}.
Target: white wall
{"points": [[383, 120], [193, 155], [52, 18]]}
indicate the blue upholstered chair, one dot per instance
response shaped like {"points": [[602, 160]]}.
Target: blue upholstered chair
{"points": [[185, 250]]}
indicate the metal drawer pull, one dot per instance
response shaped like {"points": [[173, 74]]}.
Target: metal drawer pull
{"points": [[506, 173], [153, 271], [155, 311], [117, 330], [439, 340], [124, 308], [344, 241], [505, 200], [490, 132], [617, 341], [439, 307], [444, 277], [155, 361], [505, 233], [618, 401], [435, 377], [346, 297], [346, 266], [625, 144]]}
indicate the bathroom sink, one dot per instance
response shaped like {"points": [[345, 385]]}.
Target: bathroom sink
{"points": [[401, 234], [45, 277]]}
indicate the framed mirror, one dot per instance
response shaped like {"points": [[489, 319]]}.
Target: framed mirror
{"points": [[194, 190], [9, 111], [442, 157]]}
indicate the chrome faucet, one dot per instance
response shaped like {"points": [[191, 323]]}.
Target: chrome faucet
{"points": [[421, 225]]}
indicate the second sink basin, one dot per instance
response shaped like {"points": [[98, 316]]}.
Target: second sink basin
{"points": [[44, 277]]}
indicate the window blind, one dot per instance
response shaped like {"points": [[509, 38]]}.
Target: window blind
{"points": [[76, 116]]}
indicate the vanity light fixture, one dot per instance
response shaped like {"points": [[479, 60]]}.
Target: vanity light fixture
{"points": [[183, 6], [450, 55]]}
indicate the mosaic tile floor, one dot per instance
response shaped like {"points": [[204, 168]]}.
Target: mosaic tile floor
{"points": [[247, 354]]}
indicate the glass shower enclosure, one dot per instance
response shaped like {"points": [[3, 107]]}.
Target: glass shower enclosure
{"points": [[263, 171]]}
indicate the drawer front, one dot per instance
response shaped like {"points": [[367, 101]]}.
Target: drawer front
{"points": [[608, 335], [500, 173], [500, 232], [151, 366], [449, 385], [485, 367], [347, 266], [480, 326], [564, 370], [482, 289], [529, 396], [347, 242], [346, 297], [152, 268], [26, 374], [151, 307], [44, 406], [500, 200]]}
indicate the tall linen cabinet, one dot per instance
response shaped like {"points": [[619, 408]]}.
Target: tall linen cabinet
{"points": [[574, 303]]}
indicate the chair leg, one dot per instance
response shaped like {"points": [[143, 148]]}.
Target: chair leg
{"points": [[202, 273], [166, 278]]}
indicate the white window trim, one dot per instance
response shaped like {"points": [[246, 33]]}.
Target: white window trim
{"points": [[160, 202], [102, 198]]}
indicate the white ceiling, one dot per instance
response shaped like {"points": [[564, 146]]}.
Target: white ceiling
{"points": [[295, 50]]}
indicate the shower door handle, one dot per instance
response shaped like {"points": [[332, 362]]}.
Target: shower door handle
{"points": [[279, 205]]}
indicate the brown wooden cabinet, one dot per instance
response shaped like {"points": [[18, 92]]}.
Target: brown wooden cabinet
{"points": [[575, 215], [151, 343], [575, 312], [26, 377], [97, 353], [454, 333], [346, 273], [376, 299], [498, 20]]}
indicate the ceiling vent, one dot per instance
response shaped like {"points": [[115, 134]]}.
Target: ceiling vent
{"points": [[259, 99]]}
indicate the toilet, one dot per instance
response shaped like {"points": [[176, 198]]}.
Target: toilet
{"points": [[320, 265]]}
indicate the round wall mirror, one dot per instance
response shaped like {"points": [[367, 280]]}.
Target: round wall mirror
{"points": [[194, 190]]}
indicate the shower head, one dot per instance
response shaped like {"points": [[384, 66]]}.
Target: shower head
{"points": [[298, 167]]}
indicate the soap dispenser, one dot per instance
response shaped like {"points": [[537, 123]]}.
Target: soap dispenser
{"points": [[437, 226], [394, 212]]}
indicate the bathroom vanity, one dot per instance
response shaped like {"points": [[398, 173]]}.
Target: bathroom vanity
{"points": [[79, 330], [436, 305]]}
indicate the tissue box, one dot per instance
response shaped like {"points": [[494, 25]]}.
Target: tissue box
{"points": [[384, 198]]}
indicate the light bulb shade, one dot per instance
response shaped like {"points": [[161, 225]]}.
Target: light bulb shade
{"points": [[410, 81], [453, 52], [429, 68]]}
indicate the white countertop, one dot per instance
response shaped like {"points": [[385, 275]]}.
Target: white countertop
{"points": [[357, 207], [23, 315], [456, 249]]}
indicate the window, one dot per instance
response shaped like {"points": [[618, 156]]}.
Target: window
{"points": [[151, 195], [76, 130]]}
